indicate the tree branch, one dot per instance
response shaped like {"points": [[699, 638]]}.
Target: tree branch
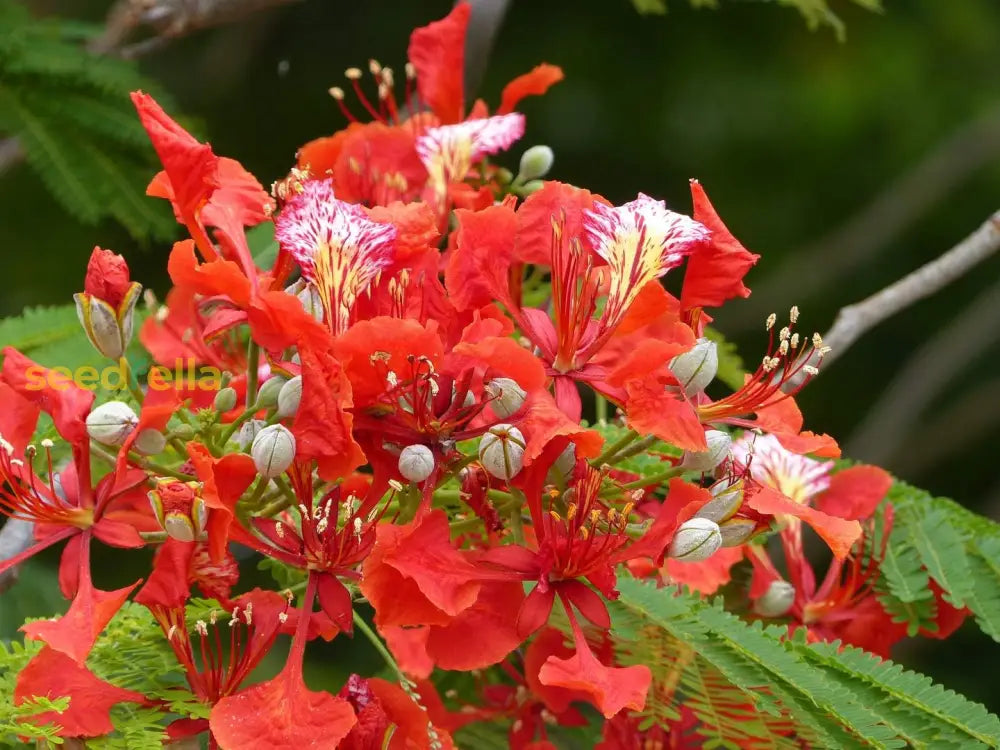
{"points": [[923, 377], [855, 320], [904, 201]]}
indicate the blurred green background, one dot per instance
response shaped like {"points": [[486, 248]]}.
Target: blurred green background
{"points": [[884, 148]]}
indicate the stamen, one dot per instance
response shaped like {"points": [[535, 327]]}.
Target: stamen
{"points": [[771, 320]]}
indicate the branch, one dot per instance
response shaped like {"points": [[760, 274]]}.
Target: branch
{"points": [[15, 537], [855, 320], [924, 376], [904, 201], [484, 25]]}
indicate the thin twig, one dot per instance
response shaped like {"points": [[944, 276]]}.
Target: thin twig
{"points": [[924, 376], [855, 320], [884, 218]]}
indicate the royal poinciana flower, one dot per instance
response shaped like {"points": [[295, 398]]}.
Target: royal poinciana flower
{"points": [[426, 144]]}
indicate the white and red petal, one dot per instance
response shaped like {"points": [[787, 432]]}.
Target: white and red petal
{"points": [[640, 241], [336, 245], [798, 478]]}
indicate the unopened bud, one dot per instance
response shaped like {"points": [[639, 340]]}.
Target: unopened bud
{"points": [[736, 531], [508, 396], [225, 400], [150, 442], [111, 423], [267, 395], [273, 450], [562, 467], [501, 451], [179, 509], [289, 397], [776, 601], [719, 444], [696, 540], [535, 162], [184, 431], [532, 186], [727, 497], [416, 462], [696, 368], [309, 296], [248, 431]]}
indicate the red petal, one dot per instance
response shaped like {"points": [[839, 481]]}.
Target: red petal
{"points": [[716, 269], [322, 426], [854, 493], [544, 422], [535, 610], [335, 600], [415, 576], [477, 270], [706, 576], [51, 674], [107, 277], [217, 277], [682, 502], [535, 83], [223, 482], [555, 201], [281, 714], [55, 394], [168, 585], [548, 643], [412, 721], [437, 51], [838, 533], [17, 418], [409, 646], [610, 689], [483, 634], [508, 358], [75, 632], [118, 534]]}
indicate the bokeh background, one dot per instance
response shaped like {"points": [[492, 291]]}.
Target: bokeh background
{"points": [[845, 164]]}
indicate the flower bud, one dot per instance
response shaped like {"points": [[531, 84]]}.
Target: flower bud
{"points": [[111, 423], [508, 396], [273, 450], [532, 186], [106, 307], [225, 400], [727, 497], [776, 601], [696, 368], [184, 431], [736, 531], [719, 444], [696, 540], [267, 395], [535, 162], [289, 397], [248, 431], [416, 462], [309, 296], [150, 442], [501, 451], [562, 467], [179, 509]]}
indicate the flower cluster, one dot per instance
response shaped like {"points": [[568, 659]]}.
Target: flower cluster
{"points": [[399, 425]]}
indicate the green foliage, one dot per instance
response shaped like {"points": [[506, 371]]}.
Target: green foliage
{"points": [[263, 246], [731, 370], [816, 12], [70, 111], [751, 685], [936, 539]]}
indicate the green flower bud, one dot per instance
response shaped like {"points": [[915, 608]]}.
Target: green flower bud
{"points": [[150, 442], [719, 444], [267, 395], [416, 462], [501, 451], [111, 423], [225, 400], [776, 601], [508, 396], [184, 431], [273, 450], [736, 531], [562, 467], [695, 369], [727, 497], [696, 540], [535, 162], [248, 431], [289, 397]]}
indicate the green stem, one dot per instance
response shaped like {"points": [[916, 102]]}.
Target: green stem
{"points": [[253, 362], [365, 628], [663, 476], [132, 382], [633, 449], [238, 422], [516, 525], [601, 409], [607, 453], [140, 461]]}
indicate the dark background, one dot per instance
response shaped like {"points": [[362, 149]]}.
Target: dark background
{"points": [[791, 132]]}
